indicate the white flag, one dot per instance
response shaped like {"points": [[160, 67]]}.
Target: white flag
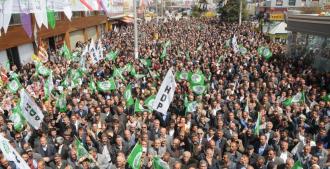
{"points": [[30, 110], [40, 12], [94, 52], [165, 94], [234, 44], [11, 154], [6, 7], [67, 10]]}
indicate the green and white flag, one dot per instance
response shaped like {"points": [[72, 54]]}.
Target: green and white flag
{"points": [[199, 89], [298, 98], [183, 75], [190, 106], [149, 101], [66, 52], [7, 66], [117, 72], [81, 150], [11, 154], [134, 158], [242, 49], [146, 62], [17, 118], [158, 163], [112, 55], [61, 103], [326, 98], [106, 85], [48, 86], [260, 50], [298, 165], [128, 95], [92, 86], [164, 52], [138, 107], [42, 70], [257, 126], [196, 78], [14, 85], [128, 67], [199, 48], [267, 53]]}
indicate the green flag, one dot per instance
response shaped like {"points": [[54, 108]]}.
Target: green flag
{"points": [[257, 126], [267, 53], [242, 49], [227, 44], [7, 66], [14, 85], [117, 72], [146, 62], [134, 158], [298, 98], [106, 85], [66, 52], [326, 98], [51, 18], [260, 50], [297, 165], [149, 101], [81, 150], [61, 103], [158, 163], [196, 78], [128, 95], [92, 86], [164, 52], [42, 70], [65, 82], [198, 89], [128, 67], [49, 86], [112, 55], [183, 75], [138, 107], [17, 118], [190, 106]]}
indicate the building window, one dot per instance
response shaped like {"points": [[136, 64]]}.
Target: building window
{"points": [[15, 19], [76, 14], [101, 13], [58, 16], [90, 13]]}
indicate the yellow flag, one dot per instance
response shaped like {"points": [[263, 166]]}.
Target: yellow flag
{"points": [[35, 58]]}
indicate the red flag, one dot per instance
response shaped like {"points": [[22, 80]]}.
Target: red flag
{"points": [[86, 5]]}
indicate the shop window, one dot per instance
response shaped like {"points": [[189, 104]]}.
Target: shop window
{"points": [[15, 19], [76, 14], [58, 16], [13, 56]]}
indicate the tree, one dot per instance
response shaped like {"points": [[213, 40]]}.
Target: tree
{"points": [[230, 11]]}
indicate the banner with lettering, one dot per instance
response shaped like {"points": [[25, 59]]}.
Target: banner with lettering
{"points": [[30, 110], [11, 154], [165, 93]]}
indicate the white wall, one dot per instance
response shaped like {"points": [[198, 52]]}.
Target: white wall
{"points": [[3, 58], [91, 32], [25, 53], [75, 37]]}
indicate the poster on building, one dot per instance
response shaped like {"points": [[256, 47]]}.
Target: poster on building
{"points": [[292, 2], [279, 2]]}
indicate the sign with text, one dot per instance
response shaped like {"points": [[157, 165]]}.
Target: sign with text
{"points": [[276, 17], [30, 110], [165, 94]]}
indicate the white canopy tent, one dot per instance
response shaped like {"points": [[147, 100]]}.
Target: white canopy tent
{"points": [[279, 29]]}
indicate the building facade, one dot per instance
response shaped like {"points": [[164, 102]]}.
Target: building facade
{"points": [[18, 48]]}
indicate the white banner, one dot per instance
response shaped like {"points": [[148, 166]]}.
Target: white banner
{"points": [[165, 94], [40, 13], [11, 154], [234, 44], [5, 14], [30, 110]]}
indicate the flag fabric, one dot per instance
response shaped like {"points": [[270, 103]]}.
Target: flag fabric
{"points": [[257, 126], [149, 101], [260, 50], [183, 75], [92, 86], [49, 86], [134, 158], [198, 89], [40, 13], [7, 66], [165, 93], [146, 62], [267, 53], [30, 110], [42, 70], [111, 56], [27, 23], [138, 107], [298, 98], [117, 72], [61, 103], [42, 54], [67, 10], [242, 50], [51, 18], [199, 48], [17, 118], [81, 150], [234, 44], [128, 95], [190, 106], [88, 6], [326, 98], [14, 85], [5, 14], [11, 154], [107, 85], [66, 52], [196, 78], [298, 165], [164, 52], [158, 163]]}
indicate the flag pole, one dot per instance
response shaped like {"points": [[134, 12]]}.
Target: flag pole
{"points": [[136, 49]]}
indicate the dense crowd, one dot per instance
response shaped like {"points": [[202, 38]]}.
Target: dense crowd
{"points": [[218, 134]]}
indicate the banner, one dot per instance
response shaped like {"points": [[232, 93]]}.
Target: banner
{"points": [[40, 13], [5, 13], [234, 44], [165, 94], [30, 110], [11, 154]]}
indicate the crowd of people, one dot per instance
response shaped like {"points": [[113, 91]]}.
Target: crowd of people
{"points": [[218, 134]]}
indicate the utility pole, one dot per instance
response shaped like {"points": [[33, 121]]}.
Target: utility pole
{"points": [[240, 12], [136, 48]]}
